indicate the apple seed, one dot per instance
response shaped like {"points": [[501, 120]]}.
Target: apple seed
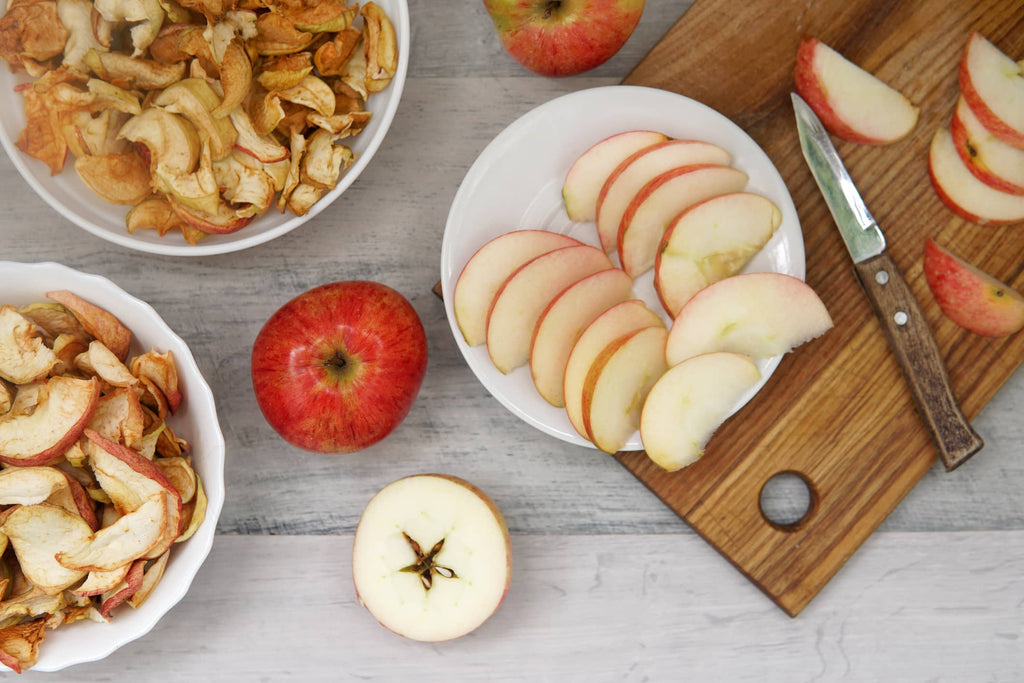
{"points": [[425, 565]]}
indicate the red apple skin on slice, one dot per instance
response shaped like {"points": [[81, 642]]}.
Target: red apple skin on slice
{"points": [[42, 437], [486, 270], [639, 169], [657, 204], [562, 322], [993, 85], [588, 173], [526, 293], [617, 384], [964, 194], [991, 160], [852, 103], [98, 322], [618, 321], [688, 404], [970, 297]]}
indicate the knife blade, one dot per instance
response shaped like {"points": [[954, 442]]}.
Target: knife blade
{"points": [[905, 326]]}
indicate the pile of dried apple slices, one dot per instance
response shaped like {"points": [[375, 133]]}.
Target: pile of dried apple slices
{"points": [[569, 311]]}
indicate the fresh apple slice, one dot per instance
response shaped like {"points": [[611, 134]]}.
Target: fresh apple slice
{"points": [[711, 241], [851, 102], [526, 293], [617, 384], [431, 559], [618, 321], [96, 321], [660, 201], [991, 160], [38, 533], [24, 357], [586, 176], [756, 314], [639, 169], [486, 270], [970, 297], [562, 322], [690, 402], [993, 85], [62, 408], [962, 192]]}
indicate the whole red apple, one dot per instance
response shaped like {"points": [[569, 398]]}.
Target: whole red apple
{"points": [[337, 368], [563, 37]]}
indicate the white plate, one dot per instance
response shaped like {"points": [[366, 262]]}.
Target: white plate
{"points": [[195, 421], [516, 182], [69, 197]]}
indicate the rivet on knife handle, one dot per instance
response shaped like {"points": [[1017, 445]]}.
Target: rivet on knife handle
{"points": [[920, 359]]}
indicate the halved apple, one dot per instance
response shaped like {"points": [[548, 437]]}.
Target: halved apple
{"points": [[23, 355], [618, 321], [970, 297], [962, 192], [710, 241], [40, 532], [562, 322], [586, 176], [690, 402], [756, 314], [851, 102], [62, 408], [656, 204], [98, 322], [993, 85], [640, 168], [991, 160], [525, 294], [486, 270]]}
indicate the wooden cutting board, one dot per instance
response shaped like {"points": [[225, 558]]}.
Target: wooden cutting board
{"points": [[837, 410]]}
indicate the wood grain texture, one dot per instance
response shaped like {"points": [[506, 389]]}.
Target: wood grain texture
{"points": [[837, 411]]}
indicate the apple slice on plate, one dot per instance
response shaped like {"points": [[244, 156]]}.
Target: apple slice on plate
{"points": [[690, 402], [660, 201], [851, 102], [24, 357], [991, 160], [756, 314], [993, 85], [45, 419], [617, 384], [587, 175], [970, 297], [562, 322], [962, 192], [526, 293], [484, 273], [711, 241], [431, 559], [617, 322], [641, 168]]}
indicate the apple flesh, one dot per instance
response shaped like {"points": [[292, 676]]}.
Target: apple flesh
{"points": [[690, 402], [588, 174], [962, 192], [98, 322], [337, 368], [39, 434], [852, 103], [711, 241], [993, 85], [489, 267], [756, 314], [629, 177], [432, 558], [991, 160], [563, 37], [23, 355], [970, 297]]}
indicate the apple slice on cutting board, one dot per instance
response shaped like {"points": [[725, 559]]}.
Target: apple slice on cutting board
{"points": [[962, 192], [690, 402], [562, 322], [641, 168], [431, 559], [658, 203], [991, 160], [526, 293], [486, 270], [711, 241], [588, 173], [852, 103], [993, 85]]}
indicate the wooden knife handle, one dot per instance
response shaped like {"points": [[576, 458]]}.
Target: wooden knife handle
{"points": [[913, 343]]}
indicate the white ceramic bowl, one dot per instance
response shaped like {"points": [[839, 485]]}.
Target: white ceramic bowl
{"points": [[195, 421], [72, 199], [516, 182]]}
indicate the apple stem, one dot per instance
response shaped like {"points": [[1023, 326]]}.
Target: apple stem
{"points": [[551, 8], [337, 361], [425, 564]]}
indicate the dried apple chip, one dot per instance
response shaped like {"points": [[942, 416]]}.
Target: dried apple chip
{"points": [[380, 46], [154, 213], [98, 322], [150, 578], [23, 355], [31, 34], [19, 644], [116, 178], [277, 35], [311, 92], [130, 72], [64, 407], [284, 71], [39, 533]]}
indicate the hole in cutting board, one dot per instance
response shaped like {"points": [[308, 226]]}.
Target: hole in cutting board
{"points": [[787, 500]]}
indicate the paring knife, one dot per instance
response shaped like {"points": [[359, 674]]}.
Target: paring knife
{"points": [[905, 326]]}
